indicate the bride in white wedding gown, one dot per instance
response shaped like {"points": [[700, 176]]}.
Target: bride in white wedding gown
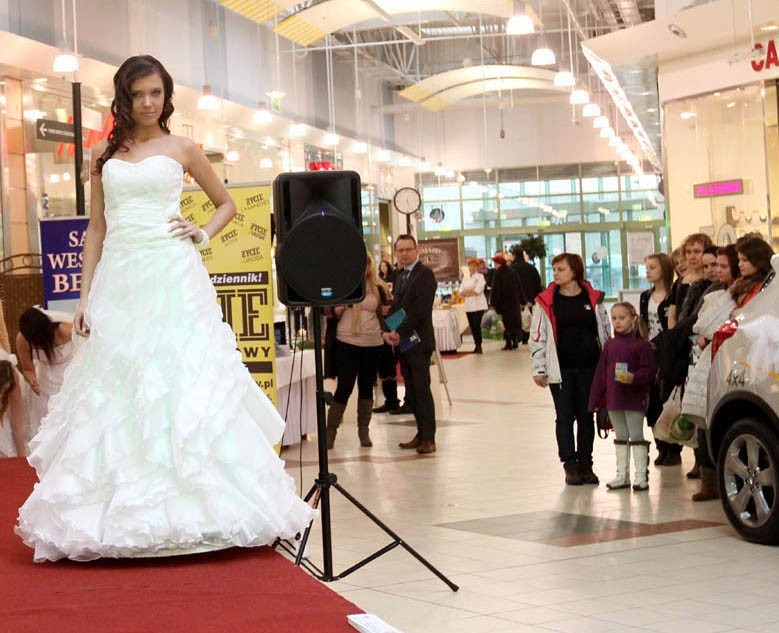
{"points": [[159, 442]]}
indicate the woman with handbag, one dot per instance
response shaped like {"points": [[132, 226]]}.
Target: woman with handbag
{"points": [[654, 306], [358, 351], [625, 371], [570, 326]]}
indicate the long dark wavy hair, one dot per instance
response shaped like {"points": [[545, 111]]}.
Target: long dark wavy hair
{"points": [[39, 331], [132, 69], [758, 252]]}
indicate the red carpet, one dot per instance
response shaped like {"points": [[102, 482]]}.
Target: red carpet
{"points": [[234, 591]]}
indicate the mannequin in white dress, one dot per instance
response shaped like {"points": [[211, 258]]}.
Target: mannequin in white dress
{"points": [[159, 442]]}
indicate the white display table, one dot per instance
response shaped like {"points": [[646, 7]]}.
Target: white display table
{"points": [[447, 330], [299, 392]]}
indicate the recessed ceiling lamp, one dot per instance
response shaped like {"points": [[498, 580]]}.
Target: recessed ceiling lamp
{"points": [[579, 97], [65, 63], [564, 79], [262, 115], [296, 130], [520, 23], [591, 110], [543, 56], [207, 100], [266, 163], [33, 114], [359, 147], [600, 122], [331, 139], [383, 156]]}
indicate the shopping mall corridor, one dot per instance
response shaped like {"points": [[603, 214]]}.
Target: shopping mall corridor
{"points": [[491, 511]]}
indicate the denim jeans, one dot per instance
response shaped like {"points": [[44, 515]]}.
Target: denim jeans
{"points": [[571, 398]]}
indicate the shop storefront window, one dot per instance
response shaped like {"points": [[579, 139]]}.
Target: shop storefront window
{"points": [[563, 203]]}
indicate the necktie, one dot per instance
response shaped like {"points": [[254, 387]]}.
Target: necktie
{"points": [[402, 280]]}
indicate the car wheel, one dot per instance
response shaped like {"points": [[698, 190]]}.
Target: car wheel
{"points": [[748, 473]]}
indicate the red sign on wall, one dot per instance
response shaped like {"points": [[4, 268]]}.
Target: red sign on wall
{"points": [[719, 188], [768, 58]]}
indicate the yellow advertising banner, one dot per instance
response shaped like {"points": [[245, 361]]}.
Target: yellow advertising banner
{"points": [[239, 263]]}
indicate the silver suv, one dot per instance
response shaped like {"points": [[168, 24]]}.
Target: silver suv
{"points": [[743, 421]]}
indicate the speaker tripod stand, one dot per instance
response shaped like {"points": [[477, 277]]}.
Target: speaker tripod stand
{"points": [[320, 491]]}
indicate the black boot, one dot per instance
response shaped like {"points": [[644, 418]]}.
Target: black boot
{"points": [[586, 474], [477, 349], [389, 387], [662, 452], [572, 476]]}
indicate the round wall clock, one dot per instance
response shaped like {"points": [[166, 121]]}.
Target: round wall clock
{"points": [[407, 200]]}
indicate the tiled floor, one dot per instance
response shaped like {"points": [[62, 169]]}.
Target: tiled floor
{"points": [[490, 510]]}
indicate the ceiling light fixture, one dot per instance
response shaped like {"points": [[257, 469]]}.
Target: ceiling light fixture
{"points": [[591, 110], [543, 56], [579, 97], [687, 115], [606, 132], [266, 163], [440, 170], [404, 161], [232, 156], [207, 100], [297, 130], [600, 122], [520, 23], [383, 156], [359, 147], [66, 61], [262, 115], [564, 79], [331, 139]]}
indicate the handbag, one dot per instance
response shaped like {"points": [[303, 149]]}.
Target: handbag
{"points": [[603, 423], [527, 318]]}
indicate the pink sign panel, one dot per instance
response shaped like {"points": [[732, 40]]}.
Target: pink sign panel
{"points": [[720, 188]]}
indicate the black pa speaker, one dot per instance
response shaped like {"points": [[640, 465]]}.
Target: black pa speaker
{"points": [[320, 250]]}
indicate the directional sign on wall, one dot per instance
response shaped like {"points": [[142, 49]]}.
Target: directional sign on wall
{"points": [[48, 130]]}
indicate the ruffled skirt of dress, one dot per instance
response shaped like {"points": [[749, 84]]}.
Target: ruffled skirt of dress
{"points": [[159, 441]]}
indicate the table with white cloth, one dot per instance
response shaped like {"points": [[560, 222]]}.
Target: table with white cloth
{"points": [[446, 327], [296, 386]]}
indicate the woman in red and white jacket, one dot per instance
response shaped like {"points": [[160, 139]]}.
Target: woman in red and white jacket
{"points": [[570, 325]]}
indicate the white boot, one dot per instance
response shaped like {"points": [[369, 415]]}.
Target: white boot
{"points": [[622, 449], [641, 460]]}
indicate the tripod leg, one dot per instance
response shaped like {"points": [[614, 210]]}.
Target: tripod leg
{"points": [[398, 541], [316, 488]]}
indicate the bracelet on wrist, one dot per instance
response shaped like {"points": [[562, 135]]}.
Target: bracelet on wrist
{"points": [[204, 239]]}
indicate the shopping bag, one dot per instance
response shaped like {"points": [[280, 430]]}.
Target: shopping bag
{"points": [[527, 318], [492, 325], [674, 427]]}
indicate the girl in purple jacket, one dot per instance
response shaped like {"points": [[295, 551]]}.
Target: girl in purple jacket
{"points": [[622, 379]]}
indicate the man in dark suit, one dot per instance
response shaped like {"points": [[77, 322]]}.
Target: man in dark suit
{"points": [[414, 292], [530, 280]]}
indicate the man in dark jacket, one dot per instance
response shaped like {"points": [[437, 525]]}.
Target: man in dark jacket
{"points": [[414, 339], [530, 280]]}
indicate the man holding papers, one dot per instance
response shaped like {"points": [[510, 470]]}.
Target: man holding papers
{"points": [[410, 325]]}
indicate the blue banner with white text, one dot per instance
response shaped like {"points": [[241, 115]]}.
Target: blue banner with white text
{"points": [[62, 242]]}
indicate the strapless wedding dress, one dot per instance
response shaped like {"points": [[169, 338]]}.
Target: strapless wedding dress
{"points": [[159, 442]]}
